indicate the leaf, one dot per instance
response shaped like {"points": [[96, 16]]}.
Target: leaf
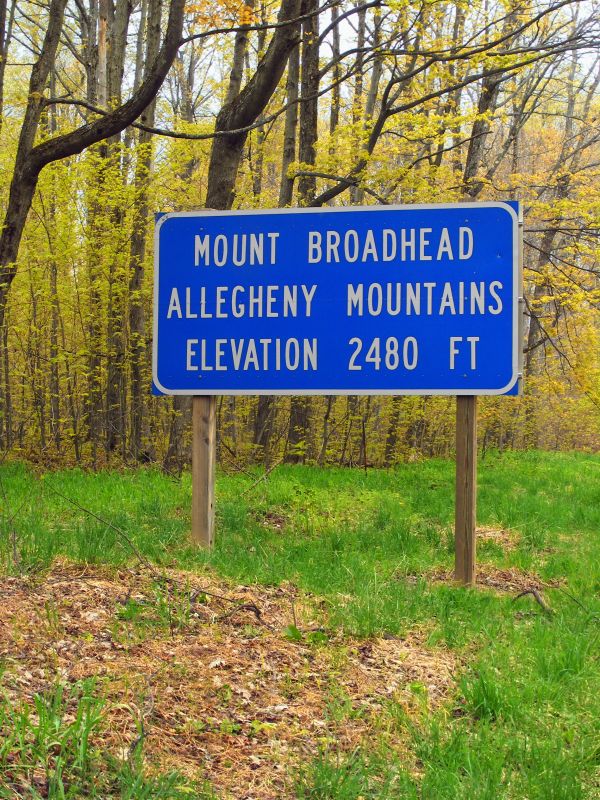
{"points": [[317, 637], [292, 633]]}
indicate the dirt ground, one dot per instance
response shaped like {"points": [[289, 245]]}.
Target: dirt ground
{"points": [[230, 683]]}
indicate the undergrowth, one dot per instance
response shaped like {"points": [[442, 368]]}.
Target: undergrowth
{"points": [[51, 748]]}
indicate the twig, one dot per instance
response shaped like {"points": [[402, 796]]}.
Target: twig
{"points": [[263, 477], [245, 607], [195, 594], [577, 602], [15, 548], [364, 444], [144, 715], [538, 597], [234, 463], [142, 558]]}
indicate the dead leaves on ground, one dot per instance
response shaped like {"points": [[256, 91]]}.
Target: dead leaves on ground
{"points": [[208, 672], [510, 579], [506, 538]]}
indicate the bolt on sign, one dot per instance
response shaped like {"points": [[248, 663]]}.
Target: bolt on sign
{"points": [[383, 300]]}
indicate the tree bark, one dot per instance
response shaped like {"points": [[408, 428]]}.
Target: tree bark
{"points": [[245, 109], [286, 187], [488, 100], [137, 251], [295, 450], [5, 37], [309, 102], [178, 454], [307, 184], [356, 193], [115, 393], [6, 386], [263, 423], [240, 48], [55, 418], [334, 111]]}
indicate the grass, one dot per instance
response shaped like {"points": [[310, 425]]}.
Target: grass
{"points": [[524, 719], [352, 776], [46, 752]]}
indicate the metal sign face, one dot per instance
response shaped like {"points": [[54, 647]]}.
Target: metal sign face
{"points": [[377, 300]]}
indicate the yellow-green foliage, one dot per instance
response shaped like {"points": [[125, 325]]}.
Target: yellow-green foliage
{"points": [[79, 233]]}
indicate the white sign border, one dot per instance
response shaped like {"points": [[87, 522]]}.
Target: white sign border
{"points": [[517, 299]]}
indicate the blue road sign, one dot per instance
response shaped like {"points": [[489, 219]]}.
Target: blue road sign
{"points": [[383, 300]]}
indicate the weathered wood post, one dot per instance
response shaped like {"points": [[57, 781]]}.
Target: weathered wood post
{"points": [[204, 446], [466, 489]]}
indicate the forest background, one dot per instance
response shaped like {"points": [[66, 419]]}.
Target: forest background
{"points": [[274, 104]]}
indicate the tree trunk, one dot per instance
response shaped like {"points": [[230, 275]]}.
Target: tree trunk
{"points": [[291, 125], [137, 351], [334, 110], [257, 165], [263, 423], [309, 101], [326, 430], [243, 110], [181, 414], [240, 48], [55, 423], [356, 193], [116, 394], [488, 101], [295, 451], [177, 454], [377, 67], [5, 37], [391, 441], [307, 184], [6, 387]]}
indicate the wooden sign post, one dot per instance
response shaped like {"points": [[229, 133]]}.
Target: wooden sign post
{"points": [[204, 446], [466, 489]]}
